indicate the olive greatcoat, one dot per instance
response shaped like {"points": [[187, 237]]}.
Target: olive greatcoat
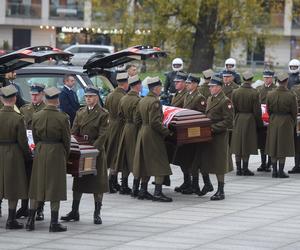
{"points": [[296, 90], [28, 110], [282, 108], [51, 135], [247, 117], [204, 90], [178, 99], [151, 157], [94, 124], [215, 155], [115, 126], [14, 151], [128, 108], [228, 89]]}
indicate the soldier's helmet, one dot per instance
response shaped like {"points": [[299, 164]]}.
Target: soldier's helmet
{"points": [[294, 66], [177, 64], [230, 64]]}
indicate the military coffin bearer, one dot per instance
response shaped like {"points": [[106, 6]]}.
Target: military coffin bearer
{"points": [[282, 108], [247, 117], [229, 85], [14, 153], [181, 92], [51, 134]]}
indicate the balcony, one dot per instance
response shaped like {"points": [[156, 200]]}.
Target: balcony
{"points": [[70, 11], [20, 10]]}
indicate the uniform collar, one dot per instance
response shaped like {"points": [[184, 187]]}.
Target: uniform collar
{"points": [[8, 108]]}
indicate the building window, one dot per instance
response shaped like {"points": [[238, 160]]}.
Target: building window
{"points": [[23, 8], [71, 9], [256, 52]]}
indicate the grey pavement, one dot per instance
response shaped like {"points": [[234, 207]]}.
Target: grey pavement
{"points": [[258, 213]]}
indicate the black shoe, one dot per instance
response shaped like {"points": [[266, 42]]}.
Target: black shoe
{"points": [[219, 195], [246, 171], [275, 172], [124, 187], [159, 196], [40, 212], [11, 222], [135, 188], [54, 225], [97, 218], [295, 170], [239, 171], [22, 211], [115, 182], [112, 189], [208, 187], [143, 193], [31, 219], [281, 173], [262, 167], [187, 183], [74, 214]]}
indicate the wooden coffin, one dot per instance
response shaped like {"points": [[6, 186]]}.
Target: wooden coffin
{"points": [[82, 159], [189, 126]]}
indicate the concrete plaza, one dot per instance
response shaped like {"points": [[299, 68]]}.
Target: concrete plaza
{"points": [[258, 213]]}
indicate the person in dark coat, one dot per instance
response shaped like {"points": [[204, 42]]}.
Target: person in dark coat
{"points": [[68, 98], [177, 66]]}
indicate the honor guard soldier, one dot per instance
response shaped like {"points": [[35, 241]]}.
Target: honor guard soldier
{"points": [[294, 71], [215, 156], [91, 122], [128, 109], [204, 88], [115, 129], [263, 90], [178, 99], [37, 104], [247, 117], [282, 108], [230, 65], [14, 155], [229, 85], [151, 157], [51, 135]]}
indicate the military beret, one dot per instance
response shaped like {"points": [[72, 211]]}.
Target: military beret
{"points": [[153, 82], [9, 91], [36, 88], [227, 73], [180, 76], [52, 93], [192, 78], [122, 77], [282, 76], [215, 80], [268, 73], [247, 75], [207, 74], [134, 80], [91, 90]]}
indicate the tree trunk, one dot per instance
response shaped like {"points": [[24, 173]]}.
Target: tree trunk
{"points": [[203, 47]]}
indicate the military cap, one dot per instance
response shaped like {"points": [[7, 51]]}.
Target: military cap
{"points": [[36, 88], [180, 76], [247, 75], [215, 80], [282, 76], [9, 91], [91, 90], [268, 73], [122, 77], [153, 82], [192, 78], [134, 80], [51, 93], [207, 74], [227, 73]]}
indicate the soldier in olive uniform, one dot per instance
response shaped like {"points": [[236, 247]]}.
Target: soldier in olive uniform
{"points": [[115, 129], [127, 143], [204, 88], [263, 90], [51, 134], [37, 104], [247, 117], [181, 92], [229, 85], [91, 122], [14, 154], [151, 157], [215, 156], [282, 107]]}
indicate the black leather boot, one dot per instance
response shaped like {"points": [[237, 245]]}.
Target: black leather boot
{"points": [[239, 171], [281, 173], [296, 168], [97, 218], [167, 181], [159, 196], [263, 166], [31, 219], [274, 173], [40, 211], [23, 210], [269, 165], [143, 193], [124, 187], [74, 214], [115, 182], [219, 195], [11, 222], [208, 187], [135, 187], [54, 225], [187, 183], [112, 189], [195, 184], [246, 171]]}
